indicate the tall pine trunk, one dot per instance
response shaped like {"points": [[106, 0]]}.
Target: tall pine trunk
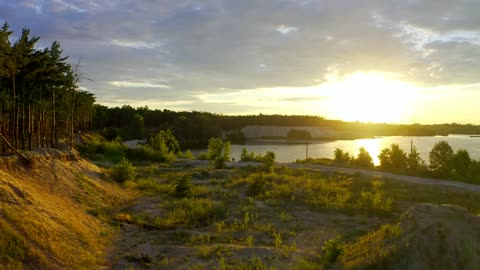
{"points": [[13, 127], [30, 127], [54, 123]]}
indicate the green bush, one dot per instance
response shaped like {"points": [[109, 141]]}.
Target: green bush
{"points": [[269, 161], [333, 249], [441, 157], [186, 155], [246, 156], [218, 152], [375, 201], [363, 160], [202, 156], [341, 157], [183, 187], [164, 142], [112, 151], [123, 171], [393, 158], [257, 184]]}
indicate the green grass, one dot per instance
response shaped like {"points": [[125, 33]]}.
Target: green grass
{"points": [[248, 219], [322, 192]]}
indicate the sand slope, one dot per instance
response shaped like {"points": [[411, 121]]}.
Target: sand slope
{"points": [[44, 212], [426, 237]]}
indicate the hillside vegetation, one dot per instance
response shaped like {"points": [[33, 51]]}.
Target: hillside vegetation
{"points": [[59, 211], [253, 218], [51, 212]]}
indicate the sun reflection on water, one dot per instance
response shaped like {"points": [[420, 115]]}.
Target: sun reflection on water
{"points": [[372, 146]]}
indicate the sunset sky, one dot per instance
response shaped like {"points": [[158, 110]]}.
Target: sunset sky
{"points": [[379, 61]]}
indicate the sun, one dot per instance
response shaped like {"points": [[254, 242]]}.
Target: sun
{"points": [[372, 97]]}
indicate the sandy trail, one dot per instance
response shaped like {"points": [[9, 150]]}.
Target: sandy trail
{"points": [[406, 178]]}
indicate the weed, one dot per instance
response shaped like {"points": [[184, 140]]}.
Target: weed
{"points": [[205, 252], [253, 263], [305, 264], [188, 211], [284, 216], [278, 240], [219, 226], [249, 241]]}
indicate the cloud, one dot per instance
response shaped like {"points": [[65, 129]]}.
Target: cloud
{"points": [[202, 47], [284, 30], [137, 84], [304, 99]]}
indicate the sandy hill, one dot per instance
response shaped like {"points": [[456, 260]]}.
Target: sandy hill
{"points": [[49, 212], [427, 237]]}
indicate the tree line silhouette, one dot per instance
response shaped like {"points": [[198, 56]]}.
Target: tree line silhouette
{"points": [[40, 103], [193, 129]]}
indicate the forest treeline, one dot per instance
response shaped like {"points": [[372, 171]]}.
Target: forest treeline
{"points": [[40, 103], [194, 129]]}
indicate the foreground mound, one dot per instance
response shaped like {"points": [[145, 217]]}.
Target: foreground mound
{"points": [[427, 237], [44, 206]]}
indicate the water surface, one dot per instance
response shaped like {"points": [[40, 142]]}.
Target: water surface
{"points": [[292, 152]]}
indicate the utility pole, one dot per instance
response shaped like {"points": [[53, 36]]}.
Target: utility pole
{"points": [[411, 135], [306, 150]]}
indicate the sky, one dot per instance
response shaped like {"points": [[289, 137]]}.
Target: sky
{"points": [[376, 61]]}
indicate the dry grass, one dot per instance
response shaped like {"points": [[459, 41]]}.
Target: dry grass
{"points": [[428, 236], [284, 220], [44, 211]]}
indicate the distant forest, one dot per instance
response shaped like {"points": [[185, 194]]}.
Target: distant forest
{"points": [[40, 103], [193, 129]]}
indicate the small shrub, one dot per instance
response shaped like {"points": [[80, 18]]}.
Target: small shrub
{"points": [[363, 160], [183, 187], [185, 155], [123, 171], [114, 151], [218, 152], [269, 161], [278, 240], [202, 156], [375, 200], [333, 249], [257, 185]]}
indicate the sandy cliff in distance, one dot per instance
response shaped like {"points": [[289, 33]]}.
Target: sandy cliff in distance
{"points": [[49, 212], [258, 132]]}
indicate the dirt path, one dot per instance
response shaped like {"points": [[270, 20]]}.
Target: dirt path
{"points": [[407, 178]]}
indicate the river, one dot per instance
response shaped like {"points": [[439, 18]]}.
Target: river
{"points": [[292, 152]]}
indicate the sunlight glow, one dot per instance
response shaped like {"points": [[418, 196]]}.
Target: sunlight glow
{"points": [[372, 147], [373, 97], [361, 96]]}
